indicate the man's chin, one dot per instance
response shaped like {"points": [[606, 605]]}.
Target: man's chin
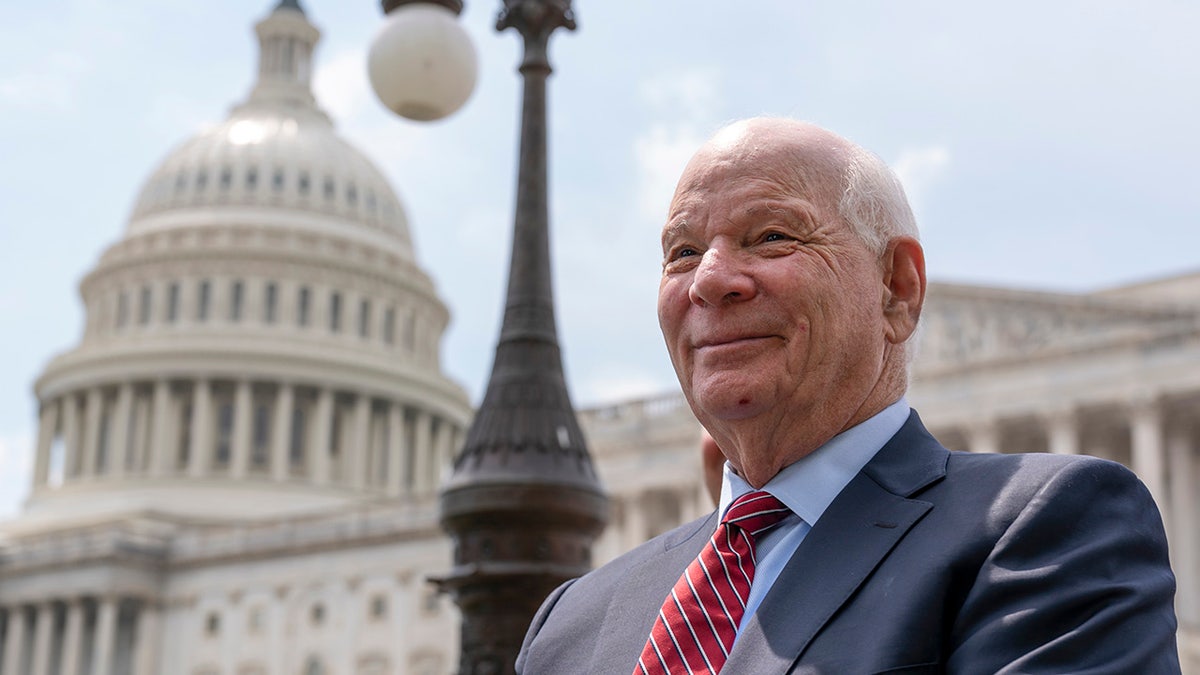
{"points": [[726, 403]]}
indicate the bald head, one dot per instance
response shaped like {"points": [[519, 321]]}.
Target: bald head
{"points": [[846, 178]]}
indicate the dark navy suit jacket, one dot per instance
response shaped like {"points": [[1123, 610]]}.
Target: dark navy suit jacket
{"points": [[929, 561]]}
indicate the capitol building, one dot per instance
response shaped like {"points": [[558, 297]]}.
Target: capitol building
{"points": [[237, 465]]}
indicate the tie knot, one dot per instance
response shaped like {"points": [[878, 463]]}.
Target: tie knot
{"points": [[756, 511]]}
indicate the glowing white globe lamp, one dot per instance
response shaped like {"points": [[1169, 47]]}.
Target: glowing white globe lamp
{"points": [[422, 64]]}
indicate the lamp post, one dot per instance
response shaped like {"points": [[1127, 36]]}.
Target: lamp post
{"points": [[523, 504]]}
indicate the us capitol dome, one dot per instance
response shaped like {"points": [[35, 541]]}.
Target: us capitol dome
{"points": [[262, 325], [236, 467]]}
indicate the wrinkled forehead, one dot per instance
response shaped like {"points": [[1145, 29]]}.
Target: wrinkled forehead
{"points": [[733, 159], [732, 168]]}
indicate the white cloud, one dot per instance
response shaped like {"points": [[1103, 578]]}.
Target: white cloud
{"points": [[919, 170], [341, 86], [661, 154], [16, 453], [681, 102], [53, 82], [690, 91]]}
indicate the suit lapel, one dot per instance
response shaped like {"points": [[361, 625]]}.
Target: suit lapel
{"points": [[862, 525], [636, 603]]}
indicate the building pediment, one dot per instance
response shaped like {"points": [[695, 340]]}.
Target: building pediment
{"points": [[973, 325]]}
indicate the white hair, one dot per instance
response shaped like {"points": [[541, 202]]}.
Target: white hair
{"points": [[873, 203]]}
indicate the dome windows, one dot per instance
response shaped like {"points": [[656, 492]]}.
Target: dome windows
{"points": [[364, 318], [144, 306], [377, 319], [203, 300], [277, 180], [270, 303], [389, 326], [335, 312], [226, 178], [303, 306], [122, 309], [251, 179], [236, 293], [303, 184], [330, 189], [351, 195], [173, 302]]}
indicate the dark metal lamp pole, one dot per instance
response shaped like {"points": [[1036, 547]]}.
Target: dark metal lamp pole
{"points": [[523, 504]]}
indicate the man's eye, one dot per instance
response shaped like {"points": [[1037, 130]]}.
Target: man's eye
{"points": [[774, 236]]}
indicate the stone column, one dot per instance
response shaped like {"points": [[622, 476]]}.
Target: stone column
{"points": [[91, 431], [120, 430], [1062, 431], [319, 443], [1147, 438], [218, 299], [984, 436], [360, 449], [423, 449], [281, 430], [397, 465], [160, 450], [145, 646], [318, 307], [253, 290], [187, 293], [141, 433], [14, 642], [47, 427], [41, 639], [199, 460], [72, 644], [70, 413], [1184, 554], [286, 292], [243, 427], [442, 442], [106, 636]]}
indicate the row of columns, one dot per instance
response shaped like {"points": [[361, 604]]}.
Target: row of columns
{"points": [[76, 646], [292, 304], [380, 445], [1163, 457]]}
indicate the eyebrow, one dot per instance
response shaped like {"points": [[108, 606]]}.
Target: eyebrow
{"points": [[675, 228]]}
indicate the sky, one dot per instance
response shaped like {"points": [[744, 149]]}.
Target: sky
{"points": [[1045, 145]]}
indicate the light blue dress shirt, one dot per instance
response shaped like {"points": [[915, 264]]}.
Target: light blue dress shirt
{"points": [[807, 487]]}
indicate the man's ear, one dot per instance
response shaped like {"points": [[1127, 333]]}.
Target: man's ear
{"points": [[904, 287]]}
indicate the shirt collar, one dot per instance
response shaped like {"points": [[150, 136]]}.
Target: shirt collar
{"points": [[810, 484]]}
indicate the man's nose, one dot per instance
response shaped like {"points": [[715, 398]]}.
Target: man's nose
{"points": [[720, 278]]}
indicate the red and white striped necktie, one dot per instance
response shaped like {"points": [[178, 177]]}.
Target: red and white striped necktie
{"points": [[698, 621]]}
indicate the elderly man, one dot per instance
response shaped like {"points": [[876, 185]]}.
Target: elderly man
{"points": [[847, 539]]}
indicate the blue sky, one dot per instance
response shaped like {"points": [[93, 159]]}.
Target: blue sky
{"points": [[1044, 145]]}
